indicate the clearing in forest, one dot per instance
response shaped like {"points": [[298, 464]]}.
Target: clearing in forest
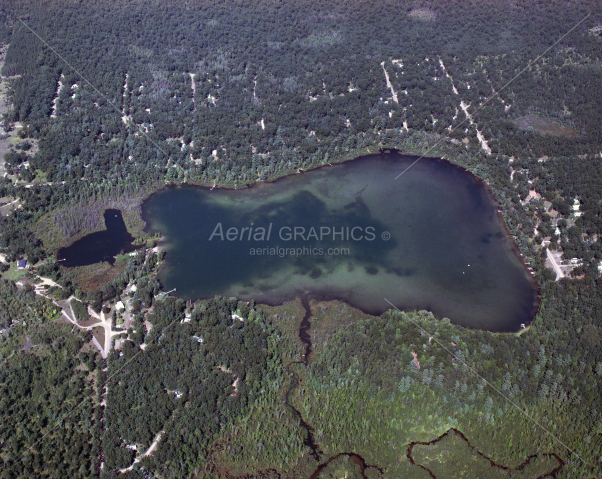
{"points": [[545, 126]]}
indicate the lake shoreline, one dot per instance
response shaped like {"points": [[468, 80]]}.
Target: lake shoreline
{"points": [[326, 294]]}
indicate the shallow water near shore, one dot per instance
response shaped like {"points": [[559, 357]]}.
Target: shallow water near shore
{"points": [[431, 239]]}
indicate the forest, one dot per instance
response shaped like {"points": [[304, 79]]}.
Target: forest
{"points": [[113, 100], [42, 378], [203, 93]]}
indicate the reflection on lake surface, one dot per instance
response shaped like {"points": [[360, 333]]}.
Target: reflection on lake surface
{"points": [[431, 239]]}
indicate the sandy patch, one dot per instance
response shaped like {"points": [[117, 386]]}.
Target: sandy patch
{"points": [[55, 102], [415, 360], [454, 89], [393, 92], [480, 136], [193, 90], [423, 14]]}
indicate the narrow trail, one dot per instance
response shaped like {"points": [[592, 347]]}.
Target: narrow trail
{"points": [[11, 203], [146, 453], [55, 101], [464, 106], [125, 118], [103, 405], [389, 85], [104, 322], [193, 90], [454, 89], [480, 137]]}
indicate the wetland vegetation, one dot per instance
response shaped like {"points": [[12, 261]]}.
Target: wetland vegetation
{"points": [[242, 93]]}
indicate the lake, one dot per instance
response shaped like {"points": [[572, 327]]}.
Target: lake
{"points": [[100, 246], [432, 239]]}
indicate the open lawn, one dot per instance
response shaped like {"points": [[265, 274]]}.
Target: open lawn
{"points": [[15, 274]]}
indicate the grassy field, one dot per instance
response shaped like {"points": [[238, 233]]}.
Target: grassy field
{"points": [[546, 126], [14, 274], [452, 456], [99, 334]]}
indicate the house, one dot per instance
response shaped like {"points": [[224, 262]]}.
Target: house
{"points": [[22, 264]]}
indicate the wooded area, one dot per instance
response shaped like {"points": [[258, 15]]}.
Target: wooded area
{"points": [[232, 93]]}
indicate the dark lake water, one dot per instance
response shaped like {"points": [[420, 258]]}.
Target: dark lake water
{"points": [[432, 239], [100, 246]]}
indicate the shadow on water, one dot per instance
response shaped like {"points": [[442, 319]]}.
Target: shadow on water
{"points": [[100, 246]]}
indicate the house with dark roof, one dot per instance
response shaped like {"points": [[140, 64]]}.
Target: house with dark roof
{"points": [[22, 264]]}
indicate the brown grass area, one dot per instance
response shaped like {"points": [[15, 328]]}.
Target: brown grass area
{"points": [[62, 320], [91, 277], [544, 125], [99, 334], [454, 456], [88, 322]]}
